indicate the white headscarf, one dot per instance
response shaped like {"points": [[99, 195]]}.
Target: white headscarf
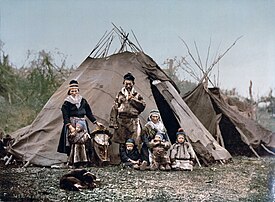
{"points": [[159, 126]]}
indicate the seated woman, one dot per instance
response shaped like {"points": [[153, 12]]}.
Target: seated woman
{"points": [[129, 154], [151, 128], [182, 154]]}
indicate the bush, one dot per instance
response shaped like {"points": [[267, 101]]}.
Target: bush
{"points": [[24, 91]]}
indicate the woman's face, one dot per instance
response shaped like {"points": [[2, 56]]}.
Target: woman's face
{"points": [[154, 118], [74, 92]]}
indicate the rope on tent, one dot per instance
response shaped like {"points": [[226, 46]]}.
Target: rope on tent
{"points": [[247, 142], [266, 149]]}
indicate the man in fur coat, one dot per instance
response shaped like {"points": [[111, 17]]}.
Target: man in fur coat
{"points": [[125, 111]]}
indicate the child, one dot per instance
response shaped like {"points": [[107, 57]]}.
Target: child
{"points": [[182, 153], [129, 154], [160, 159], [79, 140], [101, 140]]}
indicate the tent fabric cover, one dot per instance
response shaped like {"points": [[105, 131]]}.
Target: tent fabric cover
{"points": [[206, 104], [100, 79]]}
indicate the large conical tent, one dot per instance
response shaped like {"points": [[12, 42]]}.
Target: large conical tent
{"points": [[100, 77], [240, 135]]}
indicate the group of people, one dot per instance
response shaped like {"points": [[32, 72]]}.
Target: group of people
{"points": [[146, 147], [156, 151]]}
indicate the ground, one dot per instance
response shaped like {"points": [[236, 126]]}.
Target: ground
{"points": [[244, 179]]}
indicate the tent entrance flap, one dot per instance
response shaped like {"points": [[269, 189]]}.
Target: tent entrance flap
{"points": [[232, 139], [167, 114]]}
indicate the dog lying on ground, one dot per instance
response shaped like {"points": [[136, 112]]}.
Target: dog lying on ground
{"points": [[78, 179]]}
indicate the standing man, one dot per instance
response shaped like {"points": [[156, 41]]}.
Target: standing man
{"points": [[124, 114]]}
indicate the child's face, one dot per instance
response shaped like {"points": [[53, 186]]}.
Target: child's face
{"points": [[129, 147], [157, 138], [181, 139], [155, 118], [78, 127]]}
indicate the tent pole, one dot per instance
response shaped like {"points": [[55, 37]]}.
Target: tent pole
{"points": [[9, 160], [254, 151], [219, 134], [247, 142], [26, 164], [267, 150], [196, 157]]}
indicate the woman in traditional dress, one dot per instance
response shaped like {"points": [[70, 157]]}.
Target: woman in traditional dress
{"points": [[74, 109]]}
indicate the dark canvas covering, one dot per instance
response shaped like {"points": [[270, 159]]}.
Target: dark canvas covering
{"points": [[238, 131], [99, 81]]}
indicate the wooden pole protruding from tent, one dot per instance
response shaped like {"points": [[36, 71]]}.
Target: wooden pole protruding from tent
{"points": [[266, 149], [219, 134], [246, 141], [196, 157]]}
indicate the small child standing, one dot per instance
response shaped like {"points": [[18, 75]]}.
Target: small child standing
{"points": [[182, 154], [160, 159], [79, 140], [129, 154]]}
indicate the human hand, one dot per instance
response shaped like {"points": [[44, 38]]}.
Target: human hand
{"points": [[71, 128], [99, 124], [134, 162]]}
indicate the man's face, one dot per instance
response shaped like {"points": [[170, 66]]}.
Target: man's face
{"points": [[128, 84]]}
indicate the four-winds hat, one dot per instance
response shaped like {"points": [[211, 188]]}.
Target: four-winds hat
{"points": [[129, 76], [130, 141], [180, 132], [73, 84]]}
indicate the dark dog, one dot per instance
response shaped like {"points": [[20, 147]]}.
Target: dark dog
{"points": [[78, 179]]}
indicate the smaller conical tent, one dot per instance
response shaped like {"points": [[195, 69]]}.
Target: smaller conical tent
{"points": [[238, 133], [100, 78]]}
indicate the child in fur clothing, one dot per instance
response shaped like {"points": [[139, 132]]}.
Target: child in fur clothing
{"points": [[160, 159], [182, 154], [129, 154], [80, 140]]}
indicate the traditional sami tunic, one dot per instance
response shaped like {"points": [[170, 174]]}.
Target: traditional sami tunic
{"points": [[71, 111]]}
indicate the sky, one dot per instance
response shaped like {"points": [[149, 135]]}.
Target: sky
{"points": [[73, 28]]}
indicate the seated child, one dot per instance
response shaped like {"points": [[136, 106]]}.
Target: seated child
{"points": [[182, 153], [79, 140], [159, 147], [129, 154]]}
